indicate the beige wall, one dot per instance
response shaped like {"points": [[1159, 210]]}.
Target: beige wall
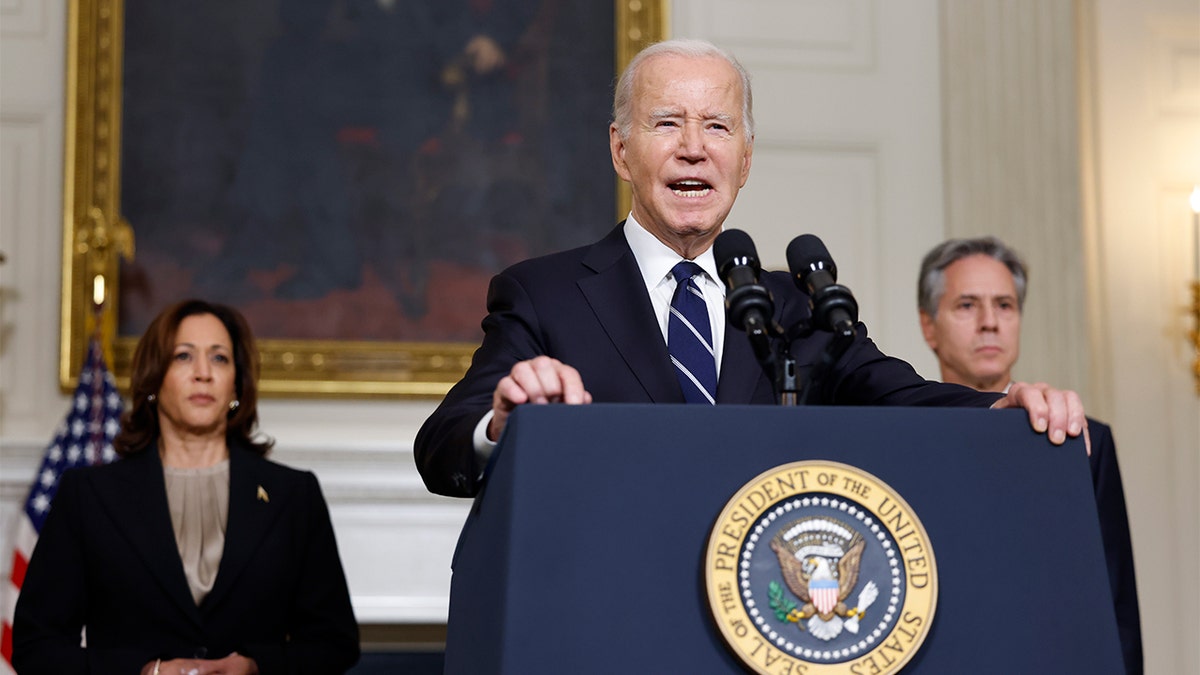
{"points": [[1143, 95]]}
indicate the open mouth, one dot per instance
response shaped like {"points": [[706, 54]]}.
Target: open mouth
{"points": [[690, 188]]}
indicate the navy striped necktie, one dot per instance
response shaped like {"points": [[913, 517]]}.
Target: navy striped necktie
{"points": [[689, 337]]}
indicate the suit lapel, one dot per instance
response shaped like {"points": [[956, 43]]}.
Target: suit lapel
{"points": [[139, 506], [254, 504], [618, 297]]}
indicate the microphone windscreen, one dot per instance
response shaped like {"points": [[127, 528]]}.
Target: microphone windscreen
{"points": [[807, 254], [734, 247]]}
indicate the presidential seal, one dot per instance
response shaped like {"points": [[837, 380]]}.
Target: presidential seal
{"points": [[818, 567]]}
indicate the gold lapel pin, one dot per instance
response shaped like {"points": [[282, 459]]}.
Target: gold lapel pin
{"points": [[262, 495]]}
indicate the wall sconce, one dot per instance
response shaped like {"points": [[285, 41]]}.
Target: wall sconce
{"points": [[1195, 203]]}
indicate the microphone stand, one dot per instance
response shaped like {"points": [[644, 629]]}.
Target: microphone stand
{"points": [[772, 349], [787, 384], [776, 362], [833, 351]]}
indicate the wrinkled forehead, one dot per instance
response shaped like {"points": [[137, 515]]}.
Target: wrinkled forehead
{"points": [[673, 80]]}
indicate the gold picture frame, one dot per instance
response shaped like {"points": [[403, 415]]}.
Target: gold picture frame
{"points": [[96, 234]]}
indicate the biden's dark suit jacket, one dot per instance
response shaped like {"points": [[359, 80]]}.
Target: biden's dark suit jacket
{"points": [[588, 308], [107, 559]]}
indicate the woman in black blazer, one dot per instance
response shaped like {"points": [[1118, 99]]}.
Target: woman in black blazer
{"points": [[193, 553]]}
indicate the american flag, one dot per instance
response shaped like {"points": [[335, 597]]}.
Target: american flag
{"points": [[84, 438]]}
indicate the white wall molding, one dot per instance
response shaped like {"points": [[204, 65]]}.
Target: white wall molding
{"points": [[28, 236], [1011, 163], [816, 34], [24, 18], [1144, 65]]}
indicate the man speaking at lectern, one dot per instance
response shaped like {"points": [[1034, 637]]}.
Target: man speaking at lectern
{"points": [[605, 323], [970, 293]]}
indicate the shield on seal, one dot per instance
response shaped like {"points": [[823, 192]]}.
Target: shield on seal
{"points": [[824, 593]]}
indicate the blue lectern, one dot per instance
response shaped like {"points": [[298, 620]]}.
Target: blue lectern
{"points": [[584, 553]]}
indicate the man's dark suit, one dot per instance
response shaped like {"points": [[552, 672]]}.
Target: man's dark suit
{"points": [[1118, 549], [588, 308], [107, 559]]}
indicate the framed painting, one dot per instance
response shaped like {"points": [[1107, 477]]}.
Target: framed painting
{"points": [[349, 174]]}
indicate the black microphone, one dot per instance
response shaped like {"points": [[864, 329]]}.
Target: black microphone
{"points": [[833, 305], [748, 304]]}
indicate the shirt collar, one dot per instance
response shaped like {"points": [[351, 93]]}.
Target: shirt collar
{"points": [[655, 259]]}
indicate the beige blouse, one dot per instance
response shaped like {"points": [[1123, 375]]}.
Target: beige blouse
{"points": [[199, 503]]}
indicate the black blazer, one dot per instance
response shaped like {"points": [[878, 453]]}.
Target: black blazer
{"points": [[1118, 549], [588, 307], [107, 560]]}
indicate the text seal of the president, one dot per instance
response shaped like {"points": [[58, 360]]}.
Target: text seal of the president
{"points": [[818, 567]]}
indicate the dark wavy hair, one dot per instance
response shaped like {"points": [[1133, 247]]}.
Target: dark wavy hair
{"points": [[152, 358]]}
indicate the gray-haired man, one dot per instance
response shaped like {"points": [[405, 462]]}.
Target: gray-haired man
{"points": [[970, 294]]}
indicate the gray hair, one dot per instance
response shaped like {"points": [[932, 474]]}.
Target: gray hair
{"points": [[931, 283], [623, 97]]}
